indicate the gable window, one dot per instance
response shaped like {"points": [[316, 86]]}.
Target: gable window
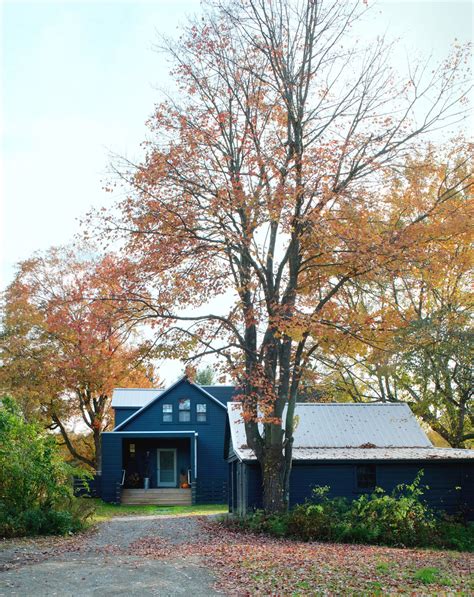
{"points": [[184, 408], [167, 413], [366, 477], [201, 413]]}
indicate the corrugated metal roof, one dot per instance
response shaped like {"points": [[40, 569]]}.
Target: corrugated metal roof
{"points": [[345, 431], [133, 397]]}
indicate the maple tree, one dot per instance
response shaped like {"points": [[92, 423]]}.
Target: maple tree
{"points": [[261, 196], [64, 349]]}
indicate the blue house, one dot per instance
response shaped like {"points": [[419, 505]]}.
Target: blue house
{"points": [[167, 446], [353, 448]]}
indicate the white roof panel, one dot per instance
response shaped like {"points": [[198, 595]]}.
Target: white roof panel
{"points": [[134, 397], [351, 431]]}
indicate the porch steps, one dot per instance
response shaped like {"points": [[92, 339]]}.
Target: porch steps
{"points": [[158, 497]]}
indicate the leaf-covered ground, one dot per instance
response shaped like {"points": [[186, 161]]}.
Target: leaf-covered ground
{"points": [[145, 555], [248, 564]]}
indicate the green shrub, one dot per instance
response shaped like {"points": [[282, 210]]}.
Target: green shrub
{"points": [[36, 492], [400, 518]]}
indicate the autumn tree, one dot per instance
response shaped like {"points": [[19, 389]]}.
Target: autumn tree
{"points": [[63, 348], [413, 341], [260, 197]]}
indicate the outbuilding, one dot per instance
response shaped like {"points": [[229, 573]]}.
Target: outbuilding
{"points": [[353, 448]]}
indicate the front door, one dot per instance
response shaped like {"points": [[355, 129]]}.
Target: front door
{"points": [[166, 473]]}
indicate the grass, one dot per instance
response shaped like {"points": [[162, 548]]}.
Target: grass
{"points": [[429, 576], [105, 511]]}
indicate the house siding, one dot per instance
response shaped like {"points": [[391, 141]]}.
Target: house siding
{"points": [[450, 484], [121, 414], [111, 466]]}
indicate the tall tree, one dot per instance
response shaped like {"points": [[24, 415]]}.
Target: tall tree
{"points": [[414, 340], [261, 187], [63, 348]]}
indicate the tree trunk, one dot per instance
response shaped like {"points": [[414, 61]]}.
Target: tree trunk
{"points": [[273, 475], [98, 451]]}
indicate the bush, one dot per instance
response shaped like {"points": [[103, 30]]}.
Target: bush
{"points": [[36, 492], [401, 518]]}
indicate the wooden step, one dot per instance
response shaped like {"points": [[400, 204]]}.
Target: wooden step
{"points": [[160, 497]]}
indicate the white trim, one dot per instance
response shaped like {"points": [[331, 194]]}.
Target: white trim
{"points": [[224, 406], [195, 456], [138, 412], [175, 461], [171, 432]]}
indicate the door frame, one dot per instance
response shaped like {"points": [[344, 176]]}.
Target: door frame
{"points": [[168, 483]]}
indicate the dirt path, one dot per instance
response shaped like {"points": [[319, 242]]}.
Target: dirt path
{"points": [[107, 562]]}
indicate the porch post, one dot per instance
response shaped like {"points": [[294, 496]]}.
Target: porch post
{"points": [[194, 441]]}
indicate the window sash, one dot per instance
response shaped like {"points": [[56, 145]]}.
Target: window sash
{"points": [[167, 413], [366, 477], [201, 413]]}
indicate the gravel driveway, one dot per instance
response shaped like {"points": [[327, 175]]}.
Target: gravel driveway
{"points": [[110, 561]]}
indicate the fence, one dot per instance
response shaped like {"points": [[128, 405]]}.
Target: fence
{"points": [[90, 487], [211, 492]]}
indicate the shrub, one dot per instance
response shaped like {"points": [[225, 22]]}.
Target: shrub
{"points": [[36, 493], [400, 518]]}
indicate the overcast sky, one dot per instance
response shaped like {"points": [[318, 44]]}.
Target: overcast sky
{"points": [[79, 80]]}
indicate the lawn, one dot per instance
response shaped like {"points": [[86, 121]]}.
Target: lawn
{"points": [[105, 511]]}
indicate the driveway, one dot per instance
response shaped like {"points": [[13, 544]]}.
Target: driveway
{"points": [[119, 558]]}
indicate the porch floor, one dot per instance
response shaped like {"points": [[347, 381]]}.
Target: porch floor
{"points": [[159, 497]]}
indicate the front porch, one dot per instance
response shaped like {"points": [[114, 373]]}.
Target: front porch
{"points": [[150, 467]]}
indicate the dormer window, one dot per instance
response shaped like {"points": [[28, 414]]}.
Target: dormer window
{"points": [[167, 413], [201, 413], [184, 408]]}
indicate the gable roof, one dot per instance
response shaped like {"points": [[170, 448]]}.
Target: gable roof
{"points": [[162, 394], [222, 393], [341, 431]]}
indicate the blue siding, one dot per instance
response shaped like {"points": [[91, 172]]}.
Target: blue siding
{"points": [[450, 484], [122, 413], [111, 465]]}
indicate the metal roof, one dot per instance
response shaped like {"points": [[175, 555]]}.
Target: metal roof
{"points": [[341, 431], [133, 397], [138, 397]]}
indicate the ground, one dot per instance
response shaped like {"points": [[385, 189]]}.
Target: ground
{"points": [[168, 554]]}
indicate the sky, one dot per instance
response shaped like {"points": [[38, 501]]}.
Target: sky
{"points": [[78, 81]]}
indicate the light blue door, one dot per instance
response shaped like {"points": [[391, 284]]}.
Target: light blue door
{"points": [[166, 473]]}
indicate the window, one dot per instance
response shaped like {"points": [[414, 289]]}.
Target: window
{"points": [[366, 477], [167, 413], [131, 449], [201, 413], [184, 410]]}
